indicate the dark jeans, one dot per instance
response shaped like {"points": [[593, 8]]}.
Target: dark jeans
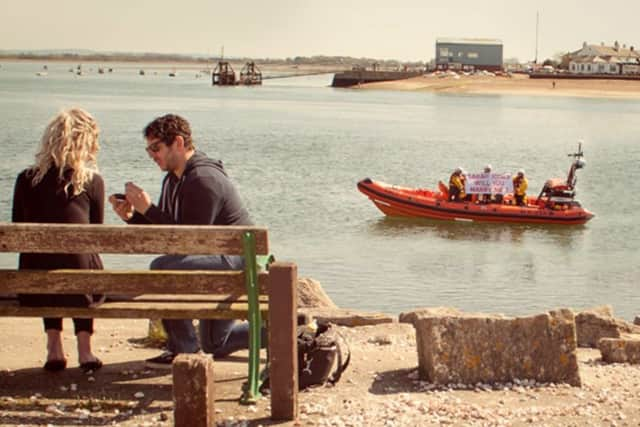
{"points": [[218, 337]]}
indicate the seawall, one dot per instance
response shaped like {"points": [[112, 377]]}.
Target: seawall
{"points": [[353, 78]]}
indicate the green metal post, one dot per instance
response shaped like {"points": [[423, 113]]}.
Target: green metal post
{"points": [[252, 393]]}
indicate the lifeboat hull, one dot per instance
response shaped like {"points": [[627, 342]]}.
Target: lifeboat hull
{"points": [[422, 203]]}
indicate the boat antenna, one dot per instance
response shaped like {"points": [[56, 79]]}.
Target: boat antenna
{"points": [[535, 61], [579, 153], [578, 163]]}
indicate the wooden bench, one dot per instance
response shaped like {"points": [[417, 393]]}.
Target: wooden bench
{"points": [[167, 294]]}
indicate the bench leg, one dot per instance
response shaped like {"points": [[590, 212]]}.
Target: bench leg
{"points": [[283, 347], [252, 393], [193, 387]]}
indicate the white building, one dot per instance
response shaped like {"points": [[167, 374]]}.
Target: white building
{"points": [[594, 59]]}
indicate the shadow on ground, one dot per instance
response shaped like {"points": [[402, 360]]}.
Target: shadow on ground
{"points": [[393, 382]]}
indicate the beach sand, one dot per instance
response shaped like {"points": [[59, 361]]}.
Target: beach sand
{"points": [[380, 387], [518, 84]]}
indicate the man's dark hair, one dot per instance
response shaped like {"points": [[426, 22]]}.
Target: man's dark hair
{"points": [[169, 126]]}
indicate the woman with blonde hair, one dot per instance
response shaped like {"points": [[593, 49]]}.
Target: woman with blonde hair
{"points": [[63, 186]]}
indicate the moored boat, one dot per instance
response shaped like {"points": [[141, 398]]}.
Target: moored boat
{"points": [[555, 204]]}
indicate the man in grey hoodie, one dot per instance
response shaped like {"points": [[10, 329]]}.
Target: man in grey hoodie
{"points": [[195, 191]]}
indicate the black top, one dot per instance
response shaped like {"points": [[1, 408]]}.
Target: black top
{"points": [[47, 202], [204, 195]]}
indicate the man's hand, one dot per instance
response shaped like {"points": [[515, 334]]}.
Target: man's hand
{"points": [[137, 197], [121, 207]]}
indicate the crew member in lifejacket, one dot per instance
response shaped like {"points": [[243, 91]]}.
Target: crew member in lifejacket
{"points": [[456, 185], [520, 185]]}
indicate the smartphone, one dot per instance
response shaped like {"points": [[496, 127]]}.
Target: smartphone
{"points": [[119, 196]]}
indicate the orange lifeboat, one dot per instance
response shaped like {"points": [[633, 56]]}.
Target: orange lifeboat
{"points": [[556, 203]]}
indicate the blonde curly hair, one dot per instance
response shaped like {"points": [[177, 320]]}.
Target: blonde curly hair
{"points": [[70, 142]]}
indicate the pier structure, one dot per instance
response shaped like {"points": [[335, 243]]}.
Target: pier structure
{"points": [[223, 75], [250, 74]]}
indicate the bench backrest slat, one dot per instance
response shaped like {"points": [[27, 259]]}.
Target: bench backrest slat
{"points": [[133, 310], [128, 239], [126, 282]]}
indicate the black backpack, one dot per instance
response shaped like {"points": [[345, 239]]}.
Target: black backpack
{"points": [[323, 355], [318, 353]]}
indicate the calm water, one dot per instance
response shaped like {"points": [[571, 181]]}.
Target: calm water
{"points": [[296, 149]]}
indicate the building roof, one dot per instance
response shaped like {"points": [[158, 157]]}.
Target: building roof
{"points": [[453, 40], [600, 50]]}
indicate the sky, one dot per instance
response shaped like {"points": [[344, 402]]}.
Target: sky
{"points": [[391, 29]]}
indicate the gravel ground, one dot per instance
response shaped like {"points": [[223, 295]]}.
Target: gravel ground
{"points": [[380, 387]]}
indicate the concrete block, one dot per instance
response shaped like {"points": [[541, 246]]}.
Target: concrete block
{"points": [[620, 350], [472, 348]]}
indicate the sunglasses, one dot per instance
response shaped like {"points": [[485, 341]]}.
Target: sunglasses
{"points": [[154, 147]]}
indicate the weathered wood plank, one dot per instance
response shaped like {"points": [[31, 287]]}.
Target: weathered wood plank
{"points": [[136, 310], [283, 348], [128, 239], [152, 298], [126, 282]]}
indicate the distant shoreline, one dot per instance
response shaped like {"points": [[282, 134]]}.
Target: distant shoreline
{"points": [[335, 64], [104, 58], [184, 64]]}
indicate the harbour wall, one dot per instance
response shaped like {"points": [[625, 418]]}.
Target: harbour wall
{"points": [[356, 77]]}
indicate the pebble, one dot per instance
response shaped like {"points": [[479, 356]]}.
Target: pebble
{"points": [[83, 414], [53, 409], [139, 395], [381, 340]]}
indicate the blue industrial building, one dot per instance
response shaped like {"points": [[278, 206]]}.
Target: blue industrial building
{"points": [[468, 54]]}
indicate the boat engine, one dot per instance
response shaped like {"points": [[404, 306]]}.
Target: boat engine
{"points": [[558, 193]]}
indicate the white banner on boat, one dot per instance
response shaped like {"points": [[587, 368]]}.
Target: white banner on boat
{"points": [[488, 183]]}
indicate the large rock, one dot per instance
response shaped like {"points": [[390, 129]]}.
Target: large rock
{"points": [[316, 304], [596, 323], [344, 317], [620, 350], [636, 321], [311, 294], [412, 316], [472, 348]]}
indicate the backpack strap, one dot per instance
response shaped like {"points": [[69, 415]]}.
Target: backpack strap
{"points": [[340, 367]]}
